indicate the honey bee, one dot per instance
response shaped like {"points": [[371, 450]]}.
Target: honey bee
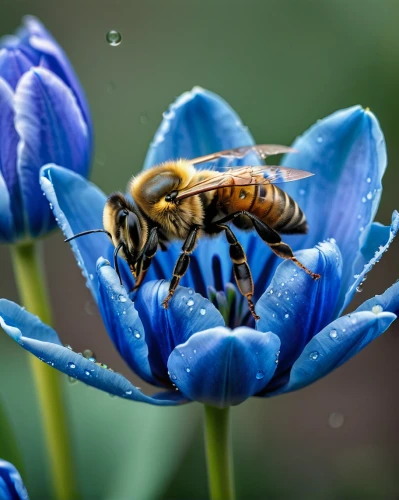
{"points": [[175, 201]]}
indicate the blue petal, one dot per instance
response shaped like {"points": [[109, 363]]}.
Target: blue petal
{"points": [[378, 241], [335, 345], [295, 307], [43, 342], [11, 485], [223, 367], [122, 321], [51, 129], [347, 153], [6, 217], [188, 313], [388, 301], [198, 123], [13, 64], [78, 206]]}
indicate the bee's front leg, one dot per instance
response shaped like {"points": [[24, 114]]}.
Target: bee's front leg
{"points": [[182, 263]]}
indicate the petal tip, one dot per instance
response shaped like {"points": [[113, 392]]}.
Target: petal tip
{"points": [[102, 262]]}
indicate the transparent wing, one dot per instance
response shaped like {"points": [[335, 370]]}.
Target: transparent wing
{"points": [[261, 150], [244, 176]]}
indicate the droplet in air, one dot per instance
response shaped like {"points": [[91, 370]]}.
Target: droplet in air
{"points": [[260, 374], [336, 420], [377, 309], [114, 38], [333, 334], [314, 355]]}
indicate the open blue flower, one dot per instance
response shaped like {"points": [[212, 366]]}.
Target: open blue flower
{"points": [[11, 485], [44, 117], [208, 349]]}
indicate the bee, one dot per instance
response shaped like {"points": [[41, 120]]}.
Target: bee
{"points": [[176, 201]]}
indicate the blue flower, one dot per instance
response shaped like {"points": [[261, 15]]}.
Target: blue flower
{"points": [[44, 117], [208, 349], [11, 485]]}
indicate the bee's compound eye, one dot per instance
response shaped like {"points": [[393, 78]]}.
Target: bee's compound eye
{"points": [[171, 196]]}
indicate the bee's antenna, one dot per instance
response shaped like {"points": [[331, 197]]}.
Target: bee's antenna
{"points": [[116, 264], [88, 232]]}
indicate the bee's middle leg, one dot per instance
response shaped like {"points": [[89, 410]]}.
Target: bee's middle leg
{"points": [[272, 238], [182, 263], [241, 270]]}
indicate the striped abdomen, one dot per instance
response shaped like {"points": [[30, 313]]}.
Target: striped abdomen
{"points": [[268, 202]]}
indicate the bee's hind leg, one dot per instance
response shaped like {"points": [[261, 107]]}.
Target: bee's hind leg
{"points": [[273, 239], [242, 272], [182, 263]]}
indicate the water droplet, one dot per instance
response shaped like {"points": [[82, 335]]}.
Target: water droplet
{"points": [[195, 351], [364, 199], [72, 380], [336, 420], [190, 302], [71, 365], [319, 139], [354, 321], [51, 206], [202, 311], [122, 298], [295, 274], [188, 370], [368, 180], [273, 315], [88, 353], [359, 217], [68, 347], [283, 284], [361, 229], [92, 359], [128, 393], [174, 376], [124, 311], [114, 38], [292, 279], [271, 291], [190, 291], [333, 334], [377, 309], [359, 288], [91, 276], [279, 294], [314, 355], [87, 373], [369, 195], [191, 309], [302, 192], [137, 334], [260, 374], [286, 316]]}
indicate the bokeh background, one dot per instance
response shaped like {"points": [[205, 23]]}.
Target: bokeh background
{"points": [[282, 65]]}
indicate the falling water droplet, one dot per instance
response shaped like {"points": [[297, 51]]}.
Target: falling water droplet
{"points": [[260, 374], [114, 38], [336, 420], [314, 355]]}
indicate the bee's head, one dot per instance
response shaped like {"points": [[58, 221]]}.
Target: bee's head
{"points": [[125, 224]]}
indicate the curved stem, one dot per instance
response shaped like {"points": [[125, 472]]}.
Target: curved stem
{"points": [[32, 289], [219, 453]]}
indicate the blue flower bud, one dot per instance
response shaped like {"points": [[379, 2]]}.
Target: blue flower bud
{"points": [[44, 118]]}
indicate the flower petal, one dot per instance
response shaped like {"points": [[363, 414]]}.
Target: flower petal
{"points": [[78, 206], [13, 64], [223, 367], [187, 314], [347, 153], [11, 485], [388, 301], [335, 345], [43, 342], [122, 321], [295, 307], [51, 127], [378, 241], [198, 122]]}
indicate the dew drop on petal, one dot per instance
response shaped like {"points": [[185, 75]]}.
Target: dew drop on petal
{"points": [[174, 376], [377, 309], [190, 302], [128, 393], [88, 353], [364, 199], [195, 351], [260, 374], [202, 311], [369, 195], [319, 139], [87, 373], [114, 38], [122, 298], [137, 334], [286, 316], [333, 334], [314, 355], [188, 370], [71, 365], [368, 180]]}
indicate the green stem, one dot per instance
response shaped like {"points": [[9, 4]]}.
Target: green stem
{"points": [[32, 289], [219, 453]]}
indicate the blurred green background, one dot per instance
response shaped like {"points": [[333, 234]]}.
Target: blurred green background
{"points": [[282, 65]]}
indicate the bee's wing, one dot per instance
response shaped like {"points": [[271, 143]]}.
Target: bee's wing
{"points": [[261, 150], [244, 176]]}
